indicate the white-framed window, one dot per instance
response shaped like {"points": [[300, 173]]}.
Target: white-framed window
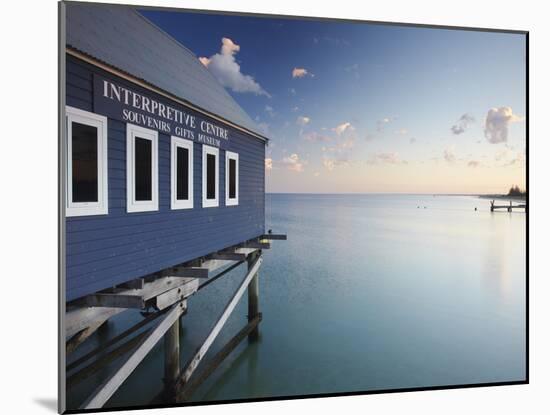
{"points": [[231, 178], [210, 176], [181, 173], [87, 184], [142, 188]]}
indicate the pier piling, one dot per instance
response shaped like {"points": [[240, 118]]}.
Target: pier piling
{"points": [[172, 358], [253, 297]]}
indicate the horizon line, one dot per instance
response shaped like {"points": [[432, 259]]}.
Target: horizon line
{"points": [[391, 193]]}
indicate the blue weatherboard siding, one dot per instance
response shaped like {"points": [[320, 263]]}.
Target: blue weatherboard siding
{"points": [[106, 250]]}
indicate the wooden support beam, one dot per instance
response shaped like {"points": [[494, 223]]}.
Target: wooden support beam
{"points": [[228, 256], [115, 300], [246, 251], [161, 285], [188, 272], [113, 341], [257, 245], [253, 296], [273, 237], [81, 336], [79, 318], [186, 391], [174, 295], [109, 387], [171, 358], [103, 361], [221, 274], [199, 354], [215, 264], [136, 284]]}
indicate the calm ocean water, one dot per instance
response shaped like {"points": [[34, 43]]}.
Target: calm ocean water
{"points": [[368, 292]]}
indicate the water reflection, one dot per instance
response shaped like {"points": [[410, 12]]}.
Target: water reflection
{"points": [[244, 361]]}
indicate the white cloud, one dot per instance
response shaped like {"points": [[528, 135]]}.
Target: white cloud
{"points": [[449, 154], [343, 142], [388, 158], [504, 155], [507, 157], [462, 124], [301, 120], [340, 129], [518, 160], [347, 143], [340, 147], [269, 164], [294, 163], [497, 122], [330, 164], [227, 71], [313, 136], [300, 73], [402, 131]]}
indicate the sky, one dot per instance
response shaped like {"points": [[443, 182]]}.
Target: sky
{"points": [[361, 107]]}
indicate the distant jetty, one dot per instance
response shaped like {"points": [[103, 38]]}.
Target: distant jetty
{"points": [[509, 207], [507, 202]]}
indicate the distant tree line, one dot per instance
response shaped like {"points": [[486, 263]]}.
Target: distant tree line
{"points": [[516, 191]]}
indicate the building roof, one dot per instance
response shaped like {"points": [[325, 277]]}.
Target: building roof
{"points": [[121, 37]]}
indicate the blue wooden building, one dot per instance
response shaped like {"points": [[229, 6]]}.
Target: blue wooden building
{"points": [[163, 166]]}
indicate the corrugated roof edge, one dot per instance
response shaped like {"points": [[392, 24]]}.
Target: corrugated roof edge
{"points": [[166, 34], [110, 68]]}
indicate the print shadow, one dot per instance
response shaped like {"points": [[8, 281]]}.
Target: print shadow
{"points": [[48, 403]]}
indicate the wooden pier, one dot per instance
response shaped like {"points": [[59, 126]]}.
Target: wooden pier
{"points": [[508, 207], [166, 293]]}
